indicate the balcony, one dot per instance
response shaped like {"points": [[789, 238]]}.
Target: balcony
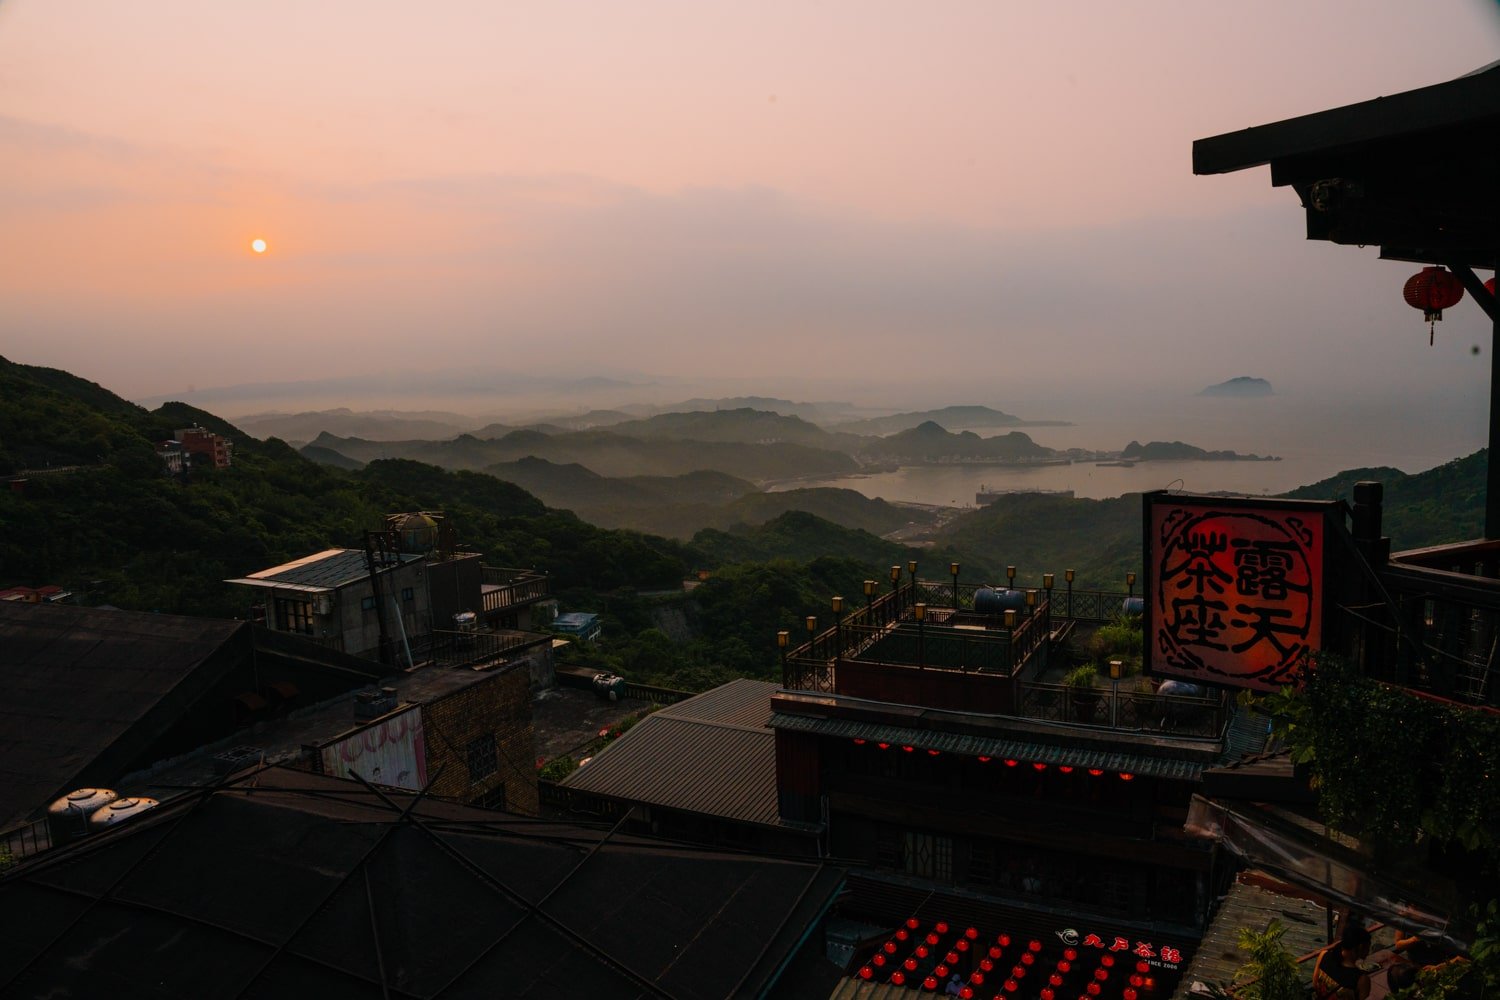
{"points": [[503, 589], [954, 659], [1436, 627]]}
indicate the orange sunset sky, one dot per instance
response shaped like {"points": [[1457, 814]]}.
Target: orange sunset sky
{"points": [[756, 190]]}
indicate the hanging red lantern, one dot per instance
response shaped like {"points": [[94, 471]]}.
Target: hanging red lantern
{"points": [[1489, 286], [1432, 290]]}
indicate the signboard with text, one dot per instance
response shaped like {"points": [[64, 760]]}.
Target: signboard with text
{"points": [[1234, 588]]}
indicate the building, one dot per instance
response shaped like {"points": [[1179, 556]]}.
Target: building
{"points": [[1412, 174], [334, 598], [49, 593], [203, 447], [703, 769], [174, 458], [92, 695], [457, 728], [325, 887], [581, 625]]}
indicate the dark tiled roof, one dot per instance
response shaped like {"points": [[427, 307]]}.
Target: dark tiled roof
{"points": [[710, 754], [327, 570], [80, 683], [292, 884], [985, 746]]}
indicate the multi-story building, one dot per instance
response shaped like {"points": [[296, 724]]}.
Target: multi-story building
{"points": [[205, 447]]}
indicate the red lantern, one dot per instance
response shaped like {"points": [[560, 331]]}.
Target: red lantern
{"points": [[951, 958], [1108, 961], [1064, 966], [942, 927], [910, 965], [1034, 946], [878, 960], [1432, 290], [1101, 974], [1027, 958], [941, 971], [985, 965], [866, 973], [977, 979], [930, 983], [921, 951], [898, 977], [890, 947], [1071, 954], [994, 951], [932, 939], [1142, 967], [971, 933], [1048, 995], [1054, 979], [1004, 940], [1011, 986], [1130, 994], [1092, 989], [913, 923]]}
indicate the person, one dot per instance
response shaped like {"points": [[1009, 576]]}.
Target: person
{"points": [[1337, 974], [955, 985]]}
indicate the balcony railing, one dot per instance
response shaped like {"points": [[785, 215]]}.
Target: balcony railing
{"points": [[459, 649], [505, 588], [1135, 711], [1438, 628]]}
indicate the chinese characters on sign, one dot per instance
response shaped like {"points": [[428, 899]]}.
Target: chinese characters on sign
{"points": [[1167, 957], [1236, 588]]}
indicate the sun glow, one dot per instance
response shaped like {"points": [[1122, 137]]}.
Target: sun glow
{"points": [[258, 245]]}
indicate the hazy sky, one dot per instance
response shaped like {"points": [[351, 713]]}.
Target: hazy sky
{"points": [[987, 192]]}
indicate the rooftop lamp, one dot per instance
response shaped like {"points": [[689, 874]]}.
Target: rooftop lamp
{"points": [[895, 574], [1116, 669], [921, 610], [838, 605], [782, 638], [1048, 579], [953, 569], [869, 588], [1010, 617], [1068, 575], [911, 566], [1010, 574], [812, 624]]}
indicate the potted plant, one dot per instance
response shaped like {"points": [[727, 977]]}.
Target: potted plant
{"points": [[1082, 692]]}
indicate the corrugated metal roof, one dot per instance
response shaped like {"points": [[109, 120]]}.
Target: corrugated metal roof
{"points": [[983, 746], [329, 570], [711, 754], [1219, 957], [741, 702]]}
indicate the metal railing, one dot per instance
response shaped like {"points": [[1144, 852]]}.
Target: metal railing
{"points": [[459, 649], [1438, 629], [1131, 711], [514, 587]]}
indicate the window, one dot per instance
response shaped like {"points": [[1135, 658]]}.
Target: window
{"points": [[481, 757], [927, 855], [407, 594], [294, 616], [492, 799], [367, 604]]}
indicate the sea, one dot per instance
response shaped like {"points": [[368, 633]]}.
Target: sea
{"points": [[1313, 439]]}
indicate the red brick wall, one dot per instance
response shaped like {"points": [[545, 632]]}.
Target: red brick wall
{"points": [[498, 705]]}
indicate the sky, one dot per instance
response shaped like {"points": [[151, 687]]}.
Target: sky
{"points": [[914, 201]]}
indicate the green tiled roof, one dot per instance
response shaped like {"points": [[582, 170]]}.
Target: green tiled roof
{"points": [[1176, 769]]}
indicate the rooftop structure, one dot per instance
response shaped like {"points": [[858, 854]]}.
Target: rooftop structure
{"points": [[711, 757], [92, 694], [1412, 173], [327, 887], [580, 624]]}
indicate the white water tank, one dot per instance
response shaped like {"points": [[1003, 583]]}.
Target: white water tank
{"points": [[68, 817], [119, 811]]}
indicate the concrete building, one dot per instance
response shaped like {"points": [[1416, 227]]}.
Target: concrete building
{"points": [[330, 596], [204, 446]]}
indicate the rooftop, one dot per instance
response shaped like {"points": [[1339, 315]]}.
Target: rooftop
{"points": [[711, 754], [321, 571], [325, 887]]}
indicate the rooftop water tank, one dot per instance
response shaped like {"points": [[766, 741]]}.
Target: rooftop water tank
{"points": [[993, 601], [609, 686], [68, 817], [1133, 606], [119, 811]]}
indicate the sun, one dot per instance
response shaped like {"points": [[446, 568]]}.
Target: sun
{"points": [[258, 245]]}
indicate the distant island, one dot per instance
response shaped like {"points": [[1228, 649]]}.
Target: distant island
{"points": [[1242, 386], [1180, 452]]}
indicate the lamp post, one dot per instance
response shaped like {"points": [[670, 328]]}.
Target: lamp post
{"points": [[1047, 581], [782, 638], [1116, 667], [838, 625], [953, 568], [1030, 602], [869, 601], [1010, 576], [896, 590], [1068, 576], [911, 569], [1130, 582]]}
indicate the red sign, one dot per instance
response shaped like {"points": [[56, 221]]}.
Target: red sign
{"points": [[1234, 588]]}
